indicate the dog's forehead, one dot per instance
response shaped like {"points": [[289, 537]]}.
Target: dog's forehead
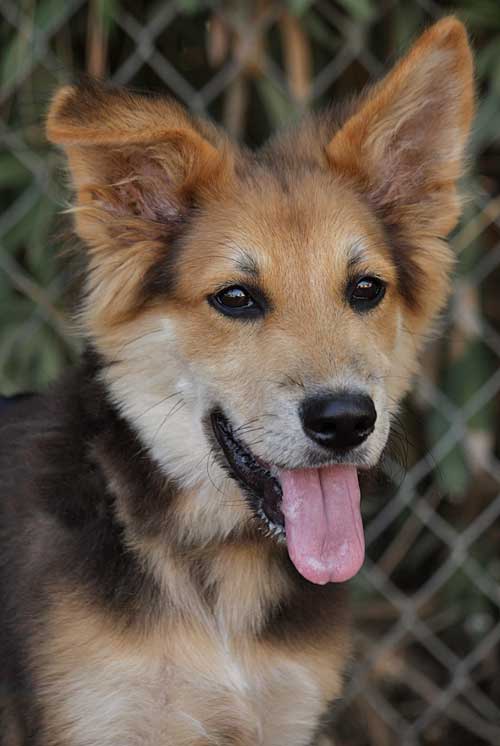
{"points": [[315, 225]]}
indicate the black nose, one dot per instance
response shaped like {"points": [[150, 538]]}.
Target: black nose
{"points": [[338, 421]]}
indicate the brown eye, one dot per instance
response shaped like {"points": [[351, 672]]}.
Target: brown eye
{"points": [[236, 301], [235, 297], [365, 292]]}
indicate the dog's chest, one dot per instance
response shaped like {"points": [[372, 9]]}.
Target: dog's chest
{"points": [[199, 695]]}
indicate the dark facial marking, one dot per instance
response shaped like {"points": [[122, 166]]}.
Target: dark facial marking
{"points": [[410, 276], [160, 279]]}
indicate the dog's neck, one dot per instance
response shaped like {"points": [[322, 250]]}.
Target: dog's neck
{"points": [[197, 579], [198, 556]]}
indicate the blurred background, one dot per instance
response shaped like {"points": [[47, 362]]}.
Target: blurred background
{"points": [[427, 668]]}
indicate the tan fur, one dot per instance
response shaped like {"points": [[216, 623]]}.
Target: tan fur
{"points": [[185, 683], [206, 671], [404, 148], [143, 171]]}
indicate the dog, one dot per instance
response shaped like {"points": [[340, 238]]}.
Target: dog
{"points": [[179, 513]]}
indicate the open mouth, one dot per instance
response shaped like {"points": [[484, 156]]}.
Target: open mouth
{"points": [[317, 510], [263, 491]]}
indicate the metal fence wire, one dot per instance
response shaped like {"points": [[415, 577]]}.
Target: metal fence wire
{"points": [[427, 603]]}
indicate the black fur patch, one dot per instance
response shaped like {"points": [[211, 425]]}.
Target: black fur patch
{"points": [[58, 515], [59, 528], [410, 276], [308, 613], [161, 277]]}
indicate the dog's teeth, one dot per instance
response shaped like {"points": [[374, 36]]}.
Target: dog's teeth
{"points": [[270, 529]]}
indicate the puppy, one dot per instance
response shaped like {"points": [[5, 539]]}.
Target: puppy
{"points": [[177, 514]]}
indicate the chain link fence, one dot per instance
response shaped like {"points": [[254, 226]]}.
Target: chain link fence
{"points": [[427, 604]]}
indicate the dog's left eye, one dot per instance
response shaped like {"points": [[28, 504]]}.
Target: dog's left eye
{"points": [[236, 301], [365, 293]]}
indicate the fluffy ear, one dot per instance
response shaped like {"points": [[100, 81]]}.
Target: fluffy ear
{"points": [[138, 164], [404, 145], [135, 155]]}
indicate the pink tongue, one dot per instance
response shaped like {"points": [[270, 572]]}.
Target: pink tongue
{"points": [[323, 524]]}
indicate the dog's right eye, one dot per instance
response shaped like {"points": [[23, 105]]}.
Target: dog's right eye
{"points": [[236, 301]]}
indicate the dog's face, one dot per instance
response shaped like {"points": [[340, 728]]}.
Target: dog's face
{"points": [[266, 310]]}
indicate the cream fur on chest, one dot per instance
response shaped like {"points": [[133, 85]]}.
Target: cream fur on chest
{"points": [[194, 692]]}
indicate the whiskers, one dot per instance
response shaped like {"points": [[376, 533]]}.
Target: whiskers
{"points": [[158, 404], [123, 355], [399, 443], [180, 404], [395, 457], [250, 432], [211, 460]]}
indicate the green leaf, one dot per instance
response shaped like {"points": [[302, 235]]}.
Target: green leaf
{"points": [[14, 58], [278, 106], [48, 12], [362, 11], [190, 6], [13, 175], [298, 7], [321, 33]]}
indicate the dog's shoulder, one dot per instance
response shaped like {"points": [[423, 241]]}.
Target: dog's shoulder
{"points": [[43, 443]]}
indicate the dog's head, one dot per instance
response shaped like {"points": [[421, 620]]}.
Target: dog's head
{"points": [[267, 309]]}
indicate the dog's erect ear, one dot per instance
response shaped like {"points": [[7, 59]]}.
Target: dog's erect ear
{"points": [[404, 145], [138, 165], [134, 156]]}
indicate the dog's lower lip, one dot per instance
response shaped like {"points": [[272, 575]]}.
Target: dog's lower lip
{"points": [[254, 476]]}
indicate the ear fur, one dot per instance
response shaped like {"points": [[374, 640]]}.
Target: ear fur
{"points": [[404, 148], [405, 143], [137, 165], [133, 151]]}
